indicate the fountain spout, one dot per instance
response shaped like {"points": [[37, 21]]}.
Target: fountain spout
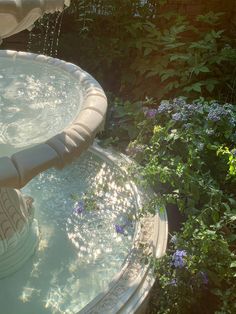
{"points": [[18, 15]]}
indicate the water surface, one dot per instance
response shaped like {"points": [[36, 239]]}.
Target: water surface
{"points": [[80, 250]]}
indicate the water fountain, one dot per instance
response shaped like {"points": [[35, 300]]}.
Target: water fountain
{"points": [[50, 113]]}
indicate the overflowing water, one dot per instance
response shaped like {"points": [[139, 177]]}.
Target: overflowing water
{"points": [[86, 214], [36, 102]]}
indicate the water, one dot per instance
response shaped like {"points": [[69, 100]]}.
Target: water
{"points": [[44, 37], [36, 102], [79, 252]]}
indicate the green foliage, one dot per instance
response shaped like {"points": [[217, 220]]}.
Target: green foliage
{"points": [[125, 119], [133, 50], [94, 36], [204, 281], [181, 158], [231, 154], [186, 151], [190, 161], [183, 58]]}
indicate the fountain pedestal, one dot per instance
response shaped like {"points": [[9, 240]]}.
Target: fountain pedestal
{"points": [[18, 230]]}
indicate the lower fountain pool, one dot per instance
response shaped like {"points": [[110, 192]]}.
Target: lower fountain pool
{"points": [[87, 218]]}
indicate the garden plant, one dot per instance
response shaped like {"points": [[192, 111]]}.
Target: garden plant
{"points": [[185, 146]]}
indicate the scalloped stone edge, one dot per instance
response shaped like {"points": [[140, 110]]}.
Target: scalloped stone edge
{"points": [[16, 16], [129, 290], [16, 171]]}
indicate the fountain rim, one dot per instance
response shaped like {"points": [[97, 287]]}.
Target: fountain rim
{"points": [[17, 170], [129, 288]]}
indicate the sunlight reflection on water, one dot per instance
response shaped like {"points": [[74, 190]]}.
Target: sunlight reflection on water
{"points": [[79, 253]]}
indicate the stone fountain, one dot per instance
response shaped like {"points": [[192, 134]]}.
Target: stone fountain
{"points": [[18, 228], [19, 232]]}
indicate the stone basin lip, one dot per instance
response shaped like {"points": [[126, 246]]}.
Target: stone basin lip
{"points": [[129, 289], [21, 167]]}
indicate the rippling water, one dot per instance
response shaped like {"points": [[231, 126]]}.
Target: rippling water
{"points": [[36, 102], [79, 251]]}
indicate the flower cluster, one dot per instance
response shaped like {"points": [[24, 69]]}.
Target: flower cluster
{"points": [[119, 229], [178, 258], [150, 113], [165, 106], [216, 113], [180, 102], [178, 116]]}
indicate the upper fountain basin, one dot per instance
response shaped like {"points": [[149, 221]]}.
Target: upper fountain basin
{"points": [[18, 15], [50, 111]]}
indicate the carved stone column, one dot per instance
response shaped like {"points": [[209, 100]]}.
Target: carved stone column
{"points": [[18, 230]]}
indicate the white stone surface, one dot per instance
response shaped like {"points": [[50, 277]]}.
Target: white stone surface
{"points": [[65, 146], [18, 230], [18, 15]]}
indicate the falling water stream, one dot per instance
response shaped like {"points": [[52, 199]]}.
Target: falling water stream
{"points": [[44, 38]]}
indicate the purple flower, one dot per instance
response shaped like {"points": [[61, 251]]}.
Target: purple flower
{"points": [[179, 101], [190, 107], [203, 277], [216, 113], [79, 207], [164, 106], [173, 282], [150, 113], [178, 117], [178, 260], [119, 229]]}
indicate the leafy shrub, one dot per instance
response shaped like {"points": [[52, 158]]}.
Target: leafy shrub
{"points": [[190, 161], [186, 151], [134, 51], [197, 275], [182, 57]]}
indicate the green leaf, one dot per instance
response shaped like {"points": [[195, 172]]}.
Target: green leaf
{"points": [[179, 57], [147, 51], [167, 74], [195, 87], [204, 69]]}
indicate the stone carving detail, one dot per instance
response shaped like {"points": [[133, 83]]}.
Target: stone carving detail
{"points": [[16, 15], [19, 232]]}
